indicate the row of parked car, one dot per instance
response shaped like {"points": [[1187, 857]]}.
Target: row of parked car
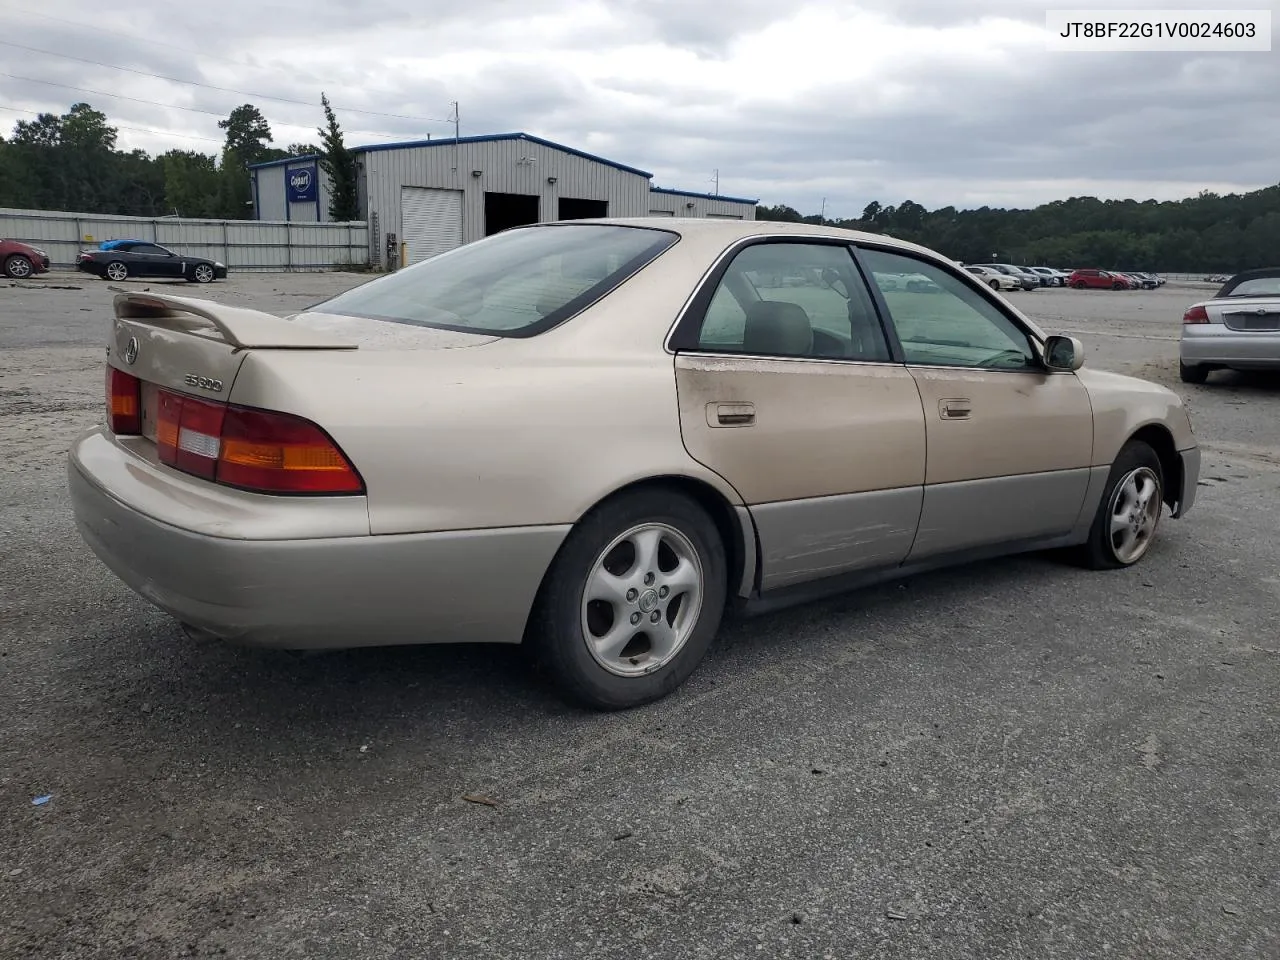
{"points": [[113, 260], [1008, 276]]}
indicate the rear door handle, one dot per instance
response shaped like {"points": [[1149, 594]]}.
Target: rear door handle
{"points": [[955, 409], [731, 414]]}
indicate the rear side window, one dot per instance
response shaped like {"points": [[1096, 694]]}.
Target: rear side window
{"points": [[513, 284], [793, 300]]}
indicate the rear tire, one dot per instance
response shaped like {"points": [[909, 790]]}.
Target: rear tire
{"points": [[1129, 513], [115, 270], [1196, 373], [995, 285], [18, 267], [652, 553]]}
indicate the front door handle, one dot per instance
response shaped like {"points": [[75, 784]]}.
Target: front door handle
{"points": [[731, 414], [955, 409]]}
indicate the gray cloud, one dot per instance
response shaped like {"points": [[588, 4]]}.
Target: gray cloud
{"points": [[936, 122]]}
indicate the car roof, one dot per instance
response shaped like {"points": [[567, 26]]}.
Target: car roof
{"points": [[731, 230], [1258, 273], [112, 244]]}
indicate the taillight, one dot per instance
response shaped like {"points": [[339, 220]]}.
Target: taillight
{"points": [[259, 450], [124, 402], [188, 433], [1196, 315], [276, 452]]}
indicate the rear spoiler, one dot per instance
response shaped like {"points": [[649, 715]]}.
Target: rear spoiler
{"points": [[242, 328]]}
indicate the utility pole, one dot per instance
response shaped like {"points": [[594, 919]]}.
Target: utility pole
{"points": [[823, 214], [716, 178], [456, 120]]}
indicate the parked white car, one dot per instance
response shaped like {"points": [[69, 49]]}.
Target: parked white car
{"points": [[995, 279]]}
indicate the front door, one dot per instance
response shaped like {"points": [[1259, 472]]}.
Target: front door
{"points": [[154, 261], [1010, 442], [787, 390]]}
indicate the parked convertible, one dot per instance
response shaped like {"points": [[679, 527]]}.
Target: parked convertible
{"points": [[1238, 329], [121, 259], [597, 437]]}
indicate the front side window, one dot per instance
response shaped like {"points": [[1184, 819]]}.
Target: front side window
{"points": [[513, 284], [793, 299], [946, 322]]}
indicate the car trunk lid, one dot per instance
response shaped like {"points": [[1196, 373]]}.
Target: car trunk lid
{"points": [[1247, 314], [170, 345]]}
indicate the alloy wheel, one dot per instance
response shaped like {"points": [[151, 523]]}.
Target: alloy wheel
{"points": [[1134, 512], [642, 599]]}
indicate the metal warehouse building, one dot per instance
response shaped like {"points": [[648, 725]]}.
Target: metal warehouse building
{"points": [[425, 197]]}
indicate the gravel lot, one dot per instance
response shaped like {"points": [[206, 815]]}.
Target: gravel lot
{"points": [[1015, 759]]}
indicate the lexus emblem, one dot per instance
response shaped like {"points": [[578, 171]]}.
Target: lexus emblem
{"points": [[131, 350]]}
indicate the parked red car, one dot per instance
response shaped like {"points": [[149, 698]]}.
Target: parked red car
{"points": [[21, 260], [1097, 280]]}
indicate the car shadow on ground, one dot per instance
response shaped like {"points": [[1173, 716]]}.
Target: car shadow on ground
{"points": [[468, 690], [1260, 382]]}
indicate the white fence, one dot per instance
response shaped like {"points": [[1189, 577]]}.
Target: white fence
{"points": [[274, 245]]}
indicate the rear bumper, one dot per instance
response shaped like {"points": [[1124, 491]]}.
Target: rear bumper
{"points": [[302, 592], [1215, 343]]}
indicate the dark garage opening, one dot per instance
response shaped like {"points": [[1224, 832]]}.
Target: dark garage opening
{"points": [[505, 210], [574, 208]]}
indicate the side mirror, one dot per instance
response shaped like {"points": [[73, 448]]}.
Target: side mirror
{"points": [[1063, 353]]}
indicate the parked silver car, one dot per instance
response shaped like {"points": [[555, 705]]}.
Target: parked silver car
{"points": [[1239, 329], [1029, 280]]}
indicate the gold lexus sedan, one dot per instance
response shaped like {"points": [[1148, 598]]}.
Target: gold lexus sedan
{"points": [[599, 437]]}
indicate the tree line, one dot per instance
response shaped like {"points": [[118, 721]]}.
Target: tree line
{"points": [[1209, 232], [70, 162]]}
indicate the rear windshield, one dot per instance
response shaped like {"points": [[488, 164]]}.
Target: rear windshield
{"points": [[513, 284]]}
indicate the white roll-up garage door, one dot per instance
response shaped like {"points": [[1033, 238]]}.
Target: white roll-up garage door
{"points": [[431, 221]]}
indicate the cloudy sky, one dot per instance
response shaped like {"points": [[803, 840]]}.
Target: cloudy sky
{"points": [[937, 101]]}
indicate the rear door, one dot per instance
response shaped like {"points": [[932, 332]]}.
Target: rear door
{"points": [[787, 390], [1010, 443]]}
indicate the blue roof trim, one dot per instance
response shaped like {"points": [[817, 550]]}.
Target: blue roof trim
{"points": [[284, 162], [703, 196], [493, 137]]}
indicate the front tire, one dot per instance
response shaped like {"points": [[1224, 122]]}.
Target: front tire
{"points": [[18, 267], [995, 285], [1195, 373], [203, 273], [632, 601], [1125, 525]]}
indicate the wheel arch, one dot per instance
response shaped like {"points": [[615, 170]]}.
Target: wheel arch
{"points": [[733, 522], [1160, 439], [737, 531]]}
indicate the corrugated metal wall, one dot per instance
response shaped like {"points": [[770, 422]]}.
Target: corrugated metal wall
{"points": [[271, 194], [677, 204], [448, 166], [240, 244]]}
